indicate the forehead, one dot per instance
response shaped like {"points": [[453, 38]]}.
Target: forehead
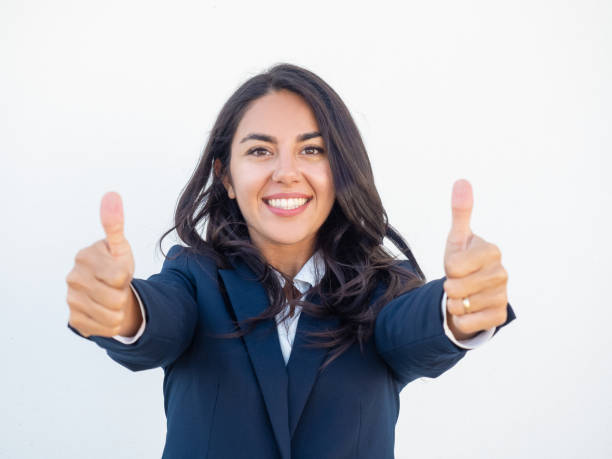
{"points": [[279, 114]]}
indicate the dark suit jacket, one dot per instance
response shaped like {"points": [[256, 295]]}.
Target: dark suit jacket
{"points": [[235, 398]]}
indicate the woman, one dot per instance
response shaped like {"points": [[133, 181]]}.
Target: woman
{"points": [[288, 330]]}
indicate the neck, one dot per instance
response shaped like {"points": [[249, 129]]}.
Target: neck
{"points": [[287, 259]]}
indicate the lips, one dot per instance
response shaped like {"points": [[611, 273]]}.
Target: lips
{"points": [[287, 201], [287, 204], [286, 196]]}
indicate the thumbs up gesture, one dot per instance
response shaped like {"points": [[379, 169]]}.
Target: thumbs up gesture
{"points": [[100, 298], [476, 281]]}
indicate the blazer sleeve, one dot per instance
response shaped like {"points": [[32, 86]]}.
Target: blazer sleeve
{"points": [[170, 306], [410, 337]]}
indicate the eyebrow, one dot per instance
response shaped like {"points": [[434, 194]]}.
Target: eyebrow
{"points": [[270, 139]]}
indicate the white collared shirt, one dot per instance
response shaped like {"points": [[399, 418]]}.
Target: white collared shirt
{"points": [[310, 274]]}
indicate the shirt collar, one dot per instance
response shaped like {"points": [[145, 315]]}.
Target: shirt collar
{"points": [[310, 275]]}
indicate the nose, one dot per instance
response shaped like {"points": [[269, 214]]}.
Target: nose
{"points": [[286, 170]]}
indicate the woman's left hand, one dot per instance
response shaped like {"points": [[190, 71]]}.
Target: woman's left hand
{"points": [[473, 272]]}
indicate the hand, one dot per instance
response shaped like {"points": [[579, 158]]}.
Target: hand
{"points": [[474, 271], [99, 296]]}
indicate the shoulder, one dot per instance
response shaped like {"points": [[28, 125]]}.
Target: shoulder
{"points": [[407, 265], [400, 277], [404, 268], [199, 264]]}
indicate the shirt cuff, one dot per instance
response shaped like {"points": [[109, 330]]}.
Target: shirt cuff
{"points": [[471, 343], [133, 339]]}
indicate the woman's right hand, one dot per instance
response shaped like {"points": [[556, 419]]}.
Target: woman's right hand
{"points": [[100, 298]]}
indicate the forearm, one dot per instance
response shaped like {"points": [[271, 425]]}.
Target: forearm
{"points": [[410, 337]]}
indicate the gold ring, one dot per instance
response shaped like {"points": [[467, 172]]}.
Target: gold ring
{"points": [[466, 305]]}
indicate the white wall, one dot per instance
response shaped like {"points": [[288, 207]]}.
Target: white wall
{"points": [[120, 95]]}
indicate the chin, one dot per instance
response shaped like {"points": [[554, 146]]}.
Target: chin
{"points": [[287, 241], [284, 236]]}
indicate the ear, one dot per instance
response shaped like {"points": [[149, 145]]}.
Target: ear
{"points": [[224, 179]]}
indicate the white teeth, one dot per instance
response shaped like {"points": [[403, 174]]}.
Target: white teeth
{"points": [[287, 204]]}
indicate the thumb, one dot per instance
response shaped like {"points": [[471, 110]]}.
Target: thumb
{"points": [[111, 214], [462, 202]]}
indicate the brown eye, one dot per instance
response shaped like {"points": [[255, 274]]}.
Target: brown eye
{"points": [[312, 150], [258, 151]]}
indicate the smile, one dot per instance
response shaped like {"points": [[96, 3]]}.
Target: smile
{"points": [[287, 204], [287, 207]]}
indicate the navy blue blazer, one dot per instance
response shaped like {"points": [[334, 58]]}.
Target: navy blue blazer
{"points": [[236, 398]]}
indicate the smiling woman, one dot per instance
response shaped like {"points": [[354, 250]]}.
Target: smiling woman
{"points": [[281, 180], [285, 328], [287, 134]]}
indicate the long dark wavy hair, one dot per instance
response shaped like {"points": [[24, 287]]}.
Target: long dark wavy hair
{"points": [[350, 241]]}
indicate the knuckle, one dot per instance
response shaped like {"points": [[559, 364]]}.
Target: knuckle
{"points": [[455, 291], [76, 321], [456, 288], [72, 299], [74, 278], [502, 274], [81, 256], [71, 277], [450, 287], [495, 251]]}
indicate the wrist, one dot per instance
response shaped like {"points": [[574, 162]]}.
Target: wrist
{"points": [[133, 317]]}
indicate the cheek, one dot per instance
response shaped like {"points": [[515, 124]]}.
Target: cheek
{"points": [[325, 186], [247, 183]]}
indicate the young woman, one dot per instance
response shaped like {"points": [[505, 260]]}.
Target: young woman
{"points": [[284, 326]]}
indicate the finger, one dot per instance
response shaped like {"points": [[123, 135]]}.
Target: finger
{"points": [[465, 262], [482, 320], [88, 326], [115, 276], [107, 318], [102, 266], [97, 290], [490, 276], [111, 215], [492, 298], [462, 201]]}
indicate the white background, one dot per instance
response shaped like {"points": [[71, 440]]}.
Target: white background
{"points": [[514, 96]]}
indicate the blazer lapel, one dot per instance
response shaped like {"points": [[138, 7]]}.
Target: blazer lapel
{"points": [[248, 298], [304, 363]]}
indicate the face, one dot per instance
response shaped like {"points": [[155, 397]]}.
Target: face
{"points": [[279, 172]]}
